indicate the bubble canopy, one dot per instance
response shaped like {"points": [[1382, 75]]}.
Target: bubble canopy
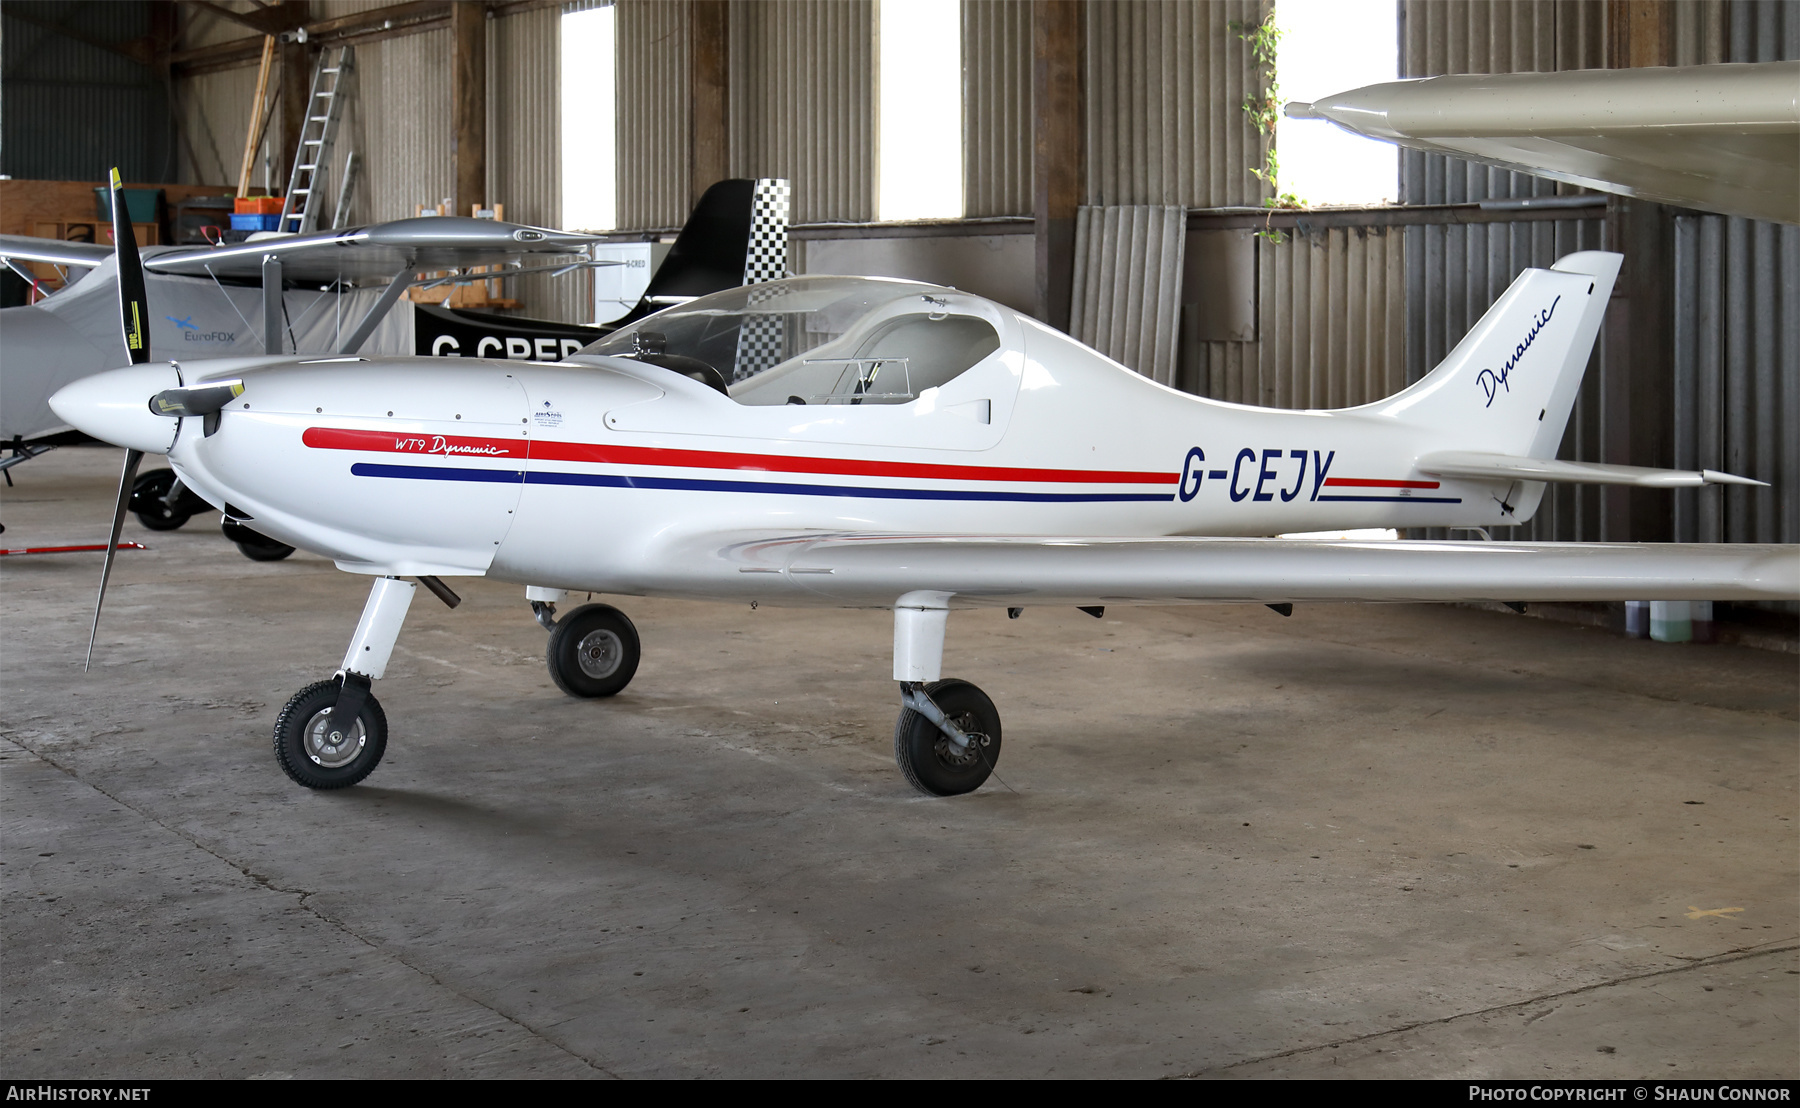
{"points": [[816, 340]]}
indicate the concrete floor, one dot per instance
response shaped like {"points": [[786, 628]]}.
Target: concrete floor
{"points": [[1400, 841]]}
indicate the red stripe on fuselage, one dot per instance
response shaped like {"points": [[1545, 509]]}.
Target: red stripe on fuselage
{"points": [[544, 450], [1367, 483], [397, 442]]}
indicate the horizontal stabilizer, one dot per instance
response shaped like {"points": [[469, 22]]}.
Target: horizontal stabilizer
{"points": [[1506, 467]]}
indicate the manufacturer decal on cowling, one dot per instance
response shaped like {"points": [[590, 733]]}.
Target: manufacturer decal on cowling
{"points": [[547, 416], [1492, 382]]}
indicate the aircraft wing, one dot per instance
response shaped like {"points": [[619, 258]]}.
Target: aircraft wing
{"points": [[1721, 138], [377, 251], [876, 569], [26, 248]]}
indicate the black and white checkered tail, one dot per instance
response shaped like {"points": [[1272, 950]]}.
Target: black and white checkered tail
{"points": [[761, 341], [765, 255]]}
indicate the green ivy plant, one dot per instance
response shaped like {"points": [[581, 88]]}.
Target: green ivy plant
{"points": [[1264, 110]]}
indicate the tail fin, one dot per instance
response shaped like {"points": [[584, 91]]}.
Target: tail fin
{"points": [[1510, 384], [736, 236]]}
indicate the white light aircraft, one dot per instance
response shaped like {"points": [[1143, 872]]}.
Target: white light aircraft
{"points": [[865, 442]]}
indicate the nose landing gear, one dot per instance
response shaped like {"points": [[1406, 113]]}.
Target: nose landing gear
{"points": [[332, 734], [316, 750]]}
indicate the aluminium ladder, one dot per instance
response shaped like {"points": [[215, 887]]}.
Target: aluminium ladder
{"points": [[324, 112]]}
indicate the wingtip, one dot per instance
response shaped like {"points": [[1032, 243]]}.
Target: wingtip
{"points": [[1714, 477]]}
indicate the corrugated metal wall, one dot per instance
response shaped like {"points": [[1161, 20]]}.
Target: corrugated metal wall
{"points": [[524, 147], [1165, 81], [997, 137], [802, 103], [72, 111], [1331, 321], [1127, 284], [653, 113], [214, 109], [405, 121], [1330, 324]]}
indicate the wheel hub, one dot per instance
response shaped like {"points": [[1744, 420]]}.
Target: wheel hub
{"points": [[599, 653], [968, 755], [331, 748]]}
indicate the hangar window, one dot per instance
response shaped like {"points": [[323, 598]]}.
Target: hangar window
{"points": [[1329, 46], [590, 185], [919, 140]]}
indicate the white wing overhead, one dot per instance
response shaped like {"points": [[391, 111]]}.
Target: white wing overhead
{"points": [[875, 569], [28, 248], [1722, 138], [378, 251], [357, 253]]}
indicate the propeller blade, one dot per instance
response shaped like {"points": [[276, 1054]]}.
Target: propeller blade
{"points": [[132, 458], [134, 305]]}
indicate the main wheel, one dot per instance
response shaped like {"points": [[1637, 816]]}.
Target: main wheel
{"points": [[306, 751], [271, 551], [253, 544], [924, 753], [593, 651], [147, 494]]}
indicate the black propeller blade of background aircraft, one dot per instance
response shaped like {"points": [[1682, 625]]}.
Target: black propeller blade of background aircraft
{"points": [[134, 309]]}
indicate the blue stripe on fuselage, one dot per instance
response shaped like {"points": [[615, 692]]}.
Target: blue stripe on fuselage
{"points": [[607, 480]]}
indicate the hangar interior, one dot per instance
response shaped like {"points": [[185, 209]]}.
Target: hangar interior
{"points": [[1231, 845]]}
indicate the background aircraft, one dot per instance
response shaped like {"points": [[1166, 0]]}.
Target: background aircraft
{"points": [[868, 442]]}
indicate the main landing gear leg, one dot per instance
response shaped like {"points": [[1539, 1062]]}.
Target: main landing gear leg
{"points": [[947, 738], [333, 733], [594, 649]]}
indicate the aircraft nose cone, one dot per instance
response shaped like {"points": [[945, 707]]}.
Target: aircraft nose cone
{"points": [[115, 406]]}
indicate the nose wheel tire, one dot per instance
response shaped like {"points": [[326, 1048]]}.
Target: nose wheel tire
{"points": [[593, 651], [312, 755], [927, 757]]}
